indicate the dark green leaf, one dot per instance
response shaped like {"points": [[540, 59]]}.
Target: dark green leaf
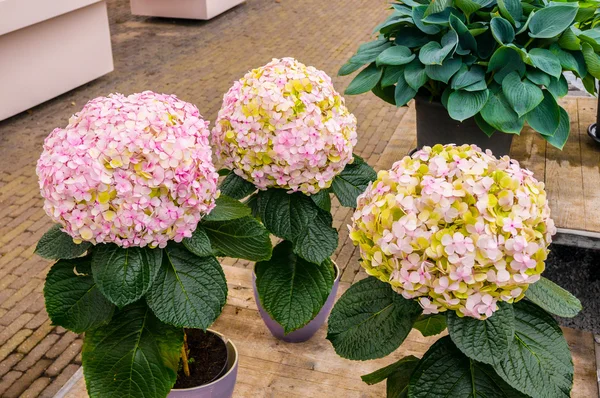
{"points": [[370, 320], [199, 243], [484, 126], [445, 372], [539, 361], [385, 93], [553, 298], [546, 116], [242, 238], [486, 340], [353, 181], [434, 53], [322, 199], [569, 40], [538, 77], [502, 30], [551, 21], [349, 68], [463, 105], [522, 95], [190, 291], [418, 13], [414, 75], [227, 209], [411, 37], [395, 55], [224, 172], [467, 77], [368, 52], [437, 6], [124, 275], [291, 289], [504, 61], [405, 364], [73, 300], [466, 41], [365, 80], [403, 92], [445, 71], [391, 75], [430, 325], [56, 244], [592, 60], [570, 61], [319, 240], [134, 356], [558, 87], [499, 114], [545, 61], [236, 187], [511, 10]]}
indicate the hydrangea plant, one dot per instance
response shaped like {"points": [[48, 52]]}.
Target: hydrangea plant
{"points": [[454, 238], [500, 62], [128, 181], [284, 130]]}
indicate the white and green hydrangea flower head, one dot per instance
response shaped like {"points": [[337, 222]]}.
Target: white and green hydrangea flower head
{"points": [[284, 126], [455, 228]]}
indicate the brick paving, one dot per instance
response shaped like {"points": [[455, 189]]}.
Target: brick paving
{"points": [[198, 61]]}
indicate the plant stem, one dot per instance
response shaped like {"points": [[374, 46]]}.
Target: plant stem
{"points": [[529, 42], [184, 356]]}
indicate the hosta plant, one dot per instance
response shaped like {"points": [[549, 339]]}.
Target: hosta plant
{"points": [[500, 62], [454, 238], [127, 182], [287, 138]]}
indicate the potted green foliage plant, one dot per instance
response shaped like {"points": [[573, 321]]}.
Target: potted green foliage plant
{"points": [[476, 67], [127, 182], [454, 238], [287, 138]]}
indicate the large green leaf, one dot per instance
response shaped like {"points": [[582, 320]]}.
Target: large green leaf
{"points": [[318, 242], [546, 61], [539, 361], [466, 41], [484, 126], [227, 209], [56, 244], [370, 320], [486, 340], [73, 300], [199, 243], [415, 75], [546, 116], [553, 298], [444, 371], [463, 105], [189, 291], [504, 61], [444, 72], [391, 75], [124, 275], [437, 6], [365, 80], [411, 37], [352, 181], [569, 40], [466, 77], [323, 199], [349, 68], [403, 92], [538, 77], [430, 325], [236, 187], [592, 60], [558, 87], [397, 375], [499, 114], [241, 238], [434, 53], [522, 95], [134, 356], [291, 289], [551, 21], [368, 52], [511, 10], [395, 55], [470, 6], [572, 61], [418, 13], [502, 30]]}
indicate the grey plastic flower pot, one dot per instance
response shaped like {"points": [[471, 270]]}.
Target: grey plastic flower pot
{"points": [[220, 388], [435, 126], [306, 332]]}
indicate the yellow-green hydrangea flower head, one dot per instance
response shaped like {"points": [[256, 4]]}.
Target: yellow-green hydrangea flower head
{"points": [[284, 126], [455, 228]]}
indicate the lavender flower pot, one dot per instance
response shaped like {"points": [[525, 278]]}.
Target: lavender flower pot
{"points": [[220, 388], [306, 332]]}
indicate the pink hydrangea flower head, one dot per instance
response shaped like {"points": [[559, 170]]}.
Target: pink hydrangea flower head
{"points": [[133, 170], [455, 228], [283, 125]]}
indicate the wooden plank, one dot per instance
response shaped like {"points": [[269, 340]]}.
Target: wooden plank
{"points": [[590, 163], [529, 149]]}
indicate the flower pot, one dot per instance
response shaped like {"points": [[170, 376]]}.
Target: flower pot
{"points": [[435, 126], [223, 386], [188, 9], [306, 332]]}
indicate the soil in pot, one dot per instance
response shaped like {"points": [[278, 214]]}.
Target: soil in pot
{"points": [[209, 359]]}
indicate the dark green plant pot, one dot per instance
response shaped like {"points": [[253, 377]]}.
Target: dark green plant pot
{"points": [[435, 126]]}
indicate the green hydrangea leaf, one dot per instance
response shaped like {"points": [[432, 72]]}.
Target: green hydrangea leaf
{"points": [[353, 181], [319, 240], [322, 199], [553, 298], [199, 243], [56, 244], [430, 325], [135, 355], [545, 117], [227, 209], [553, 20], [236, 187], [291, 289], [370, 320], [124, 275], [243, 238], [486, 340], [189, 291], [444, 371], [539, 362], [405, 365], [73, 300]]}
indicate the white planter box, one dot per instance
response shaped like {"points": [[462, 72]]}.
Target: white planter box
{"points": [[49, 47], [189, 9]]}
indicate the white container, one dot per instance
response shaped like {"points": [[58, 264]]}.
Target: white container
{"points": [[48, 48], [188, 9]]}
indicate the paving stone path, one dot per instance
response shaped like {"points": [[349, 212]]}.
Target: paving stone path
{"points": [[198, 61]]}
